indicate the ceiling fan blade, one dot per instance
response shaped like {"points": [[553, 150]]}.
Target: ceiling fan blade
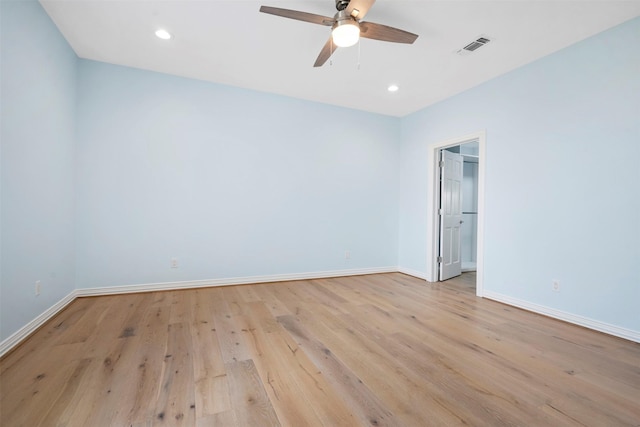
{"points": [[326, 52], [300, 16], [361, 6], [369, 30]]}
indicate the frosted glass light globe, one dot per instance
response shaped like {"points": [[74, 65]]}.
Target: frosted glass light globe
{"points": [[346, 34]]}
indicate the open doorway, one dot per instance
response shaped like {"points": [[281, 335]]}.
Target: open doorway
{"points": [[468, 233], [457, 209]]}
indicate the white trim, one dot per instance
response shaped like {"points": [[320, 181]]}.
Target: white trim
{"points": [[586, 322], [16, 338], [432, 203], [482, 162], [414, 273], [165, 286]]}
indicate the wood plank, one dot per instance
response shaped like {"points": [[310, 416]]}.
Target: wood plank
{"points": [[93, 310], [252, 406], [268, 297], [221, 419], [250, 293], [290, 374], [70, 393], [50, 334], [40, 391], [367, 361], [228, 328], [180, 310], [176, 400], [210, 376], [384, 349], [150, 360], [291, 407], [365, 405]]}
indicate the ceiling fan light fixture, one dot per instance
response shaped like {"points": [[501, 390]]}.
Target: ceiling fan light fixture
{"points": [[345, 33], [345, 26], [163, 34]]}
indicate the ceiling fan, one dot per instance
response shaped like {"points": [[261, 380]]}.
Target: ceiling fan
{"points": [[346, 26]]}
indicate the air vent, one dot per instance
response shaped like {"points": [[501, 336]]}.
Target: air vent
{"points": [[474, 45]]}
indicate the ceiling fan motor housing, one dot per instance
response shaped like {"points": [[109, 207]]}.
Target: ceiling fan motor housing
{"points": [[342, 4], [342, 18]]}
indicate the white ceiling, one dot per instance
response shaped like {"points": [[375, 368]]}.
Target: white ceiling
{"points": [[230, 42]]}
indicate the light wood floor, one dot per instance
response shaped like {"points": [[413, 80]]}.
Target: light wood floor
{"points": [[377, 350]]}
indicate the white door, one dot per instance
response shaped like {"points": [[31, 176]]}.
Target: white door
{"points": [[450, 264]]}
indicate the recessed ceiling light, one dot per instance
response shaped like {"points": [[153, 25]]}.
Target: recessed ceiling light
{"points": [[163, 34], [393, 88]]}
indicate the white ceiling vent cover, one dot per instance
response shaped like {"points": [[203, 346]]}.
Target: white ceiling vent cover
{"points": [[474, 45]]}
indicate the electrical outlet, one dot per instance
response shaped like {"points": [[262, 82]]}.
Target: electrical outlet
{"points": [[555, 285], [38, 287], [347, 254], [174, 262]]}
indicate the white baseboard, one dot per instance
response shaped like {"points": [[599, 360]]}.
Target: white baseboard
{"points": [[111, 290], [410, 272], [16, 338], [586, 322]]}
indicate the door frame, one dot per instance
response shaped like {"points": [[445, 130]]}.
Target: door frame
{"points": [[433, 204]]}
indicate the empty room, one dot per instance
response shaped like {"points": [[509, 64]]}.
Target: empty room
{"points": [[319, 213]]}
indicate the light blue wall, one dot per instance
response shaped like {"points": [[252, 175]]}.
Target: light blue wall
{"points": [[230, 182], [562, 194], [38, 72], [239, 183]]}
